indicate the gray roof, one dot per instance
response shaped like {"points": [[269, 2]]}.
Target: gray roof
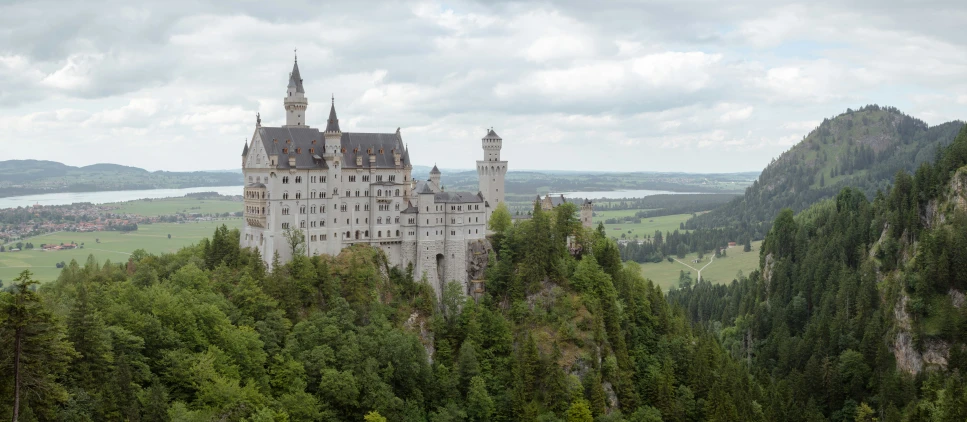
{"points": [[423, 187], [458, 197], [435, 170], [245, 150], [301, 139], [491, 134], [557, 200], [255, 185], [295, 79], [410, 209], [332, 125]]}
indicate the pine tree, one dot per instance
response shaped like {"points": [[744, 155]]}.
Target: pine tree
{"points": [[35, 348], [480, 406]]}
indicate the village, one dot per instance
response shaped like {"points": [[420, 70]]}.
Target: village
{"points": [[25, 222]]}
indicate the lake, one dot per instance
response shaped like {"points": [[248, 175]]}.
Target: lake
{"points": [[67, 198], [619, 194]]}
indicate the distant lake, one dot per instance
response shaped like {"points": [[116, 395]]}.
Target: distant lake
{"points": [[67, 198], [619, 194]]}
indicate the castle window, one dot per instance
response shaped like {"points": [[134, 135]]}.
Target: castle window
{"points": [[357, 193], [357, 207], [323, 179], [379, 178], [285, 150], [324, 237], [379, 220], [366, 178], [302, 224], [285, 195], [397, 192], [397, 207], [285, 211], [298, 179], [392, 178], [285, 179], [397, 233], [298, 195], [352, 178], [298, 150], [302, 210], [379, 233], [285, 225], [396, 220]]}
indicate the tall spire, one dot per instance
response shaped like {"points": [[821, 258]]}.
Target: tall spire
{"points": [[295, 79], [332, 125]]}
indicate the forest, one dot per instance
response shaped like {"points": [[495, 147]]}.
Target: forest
{"points": [[858, 306], [208, 333]]}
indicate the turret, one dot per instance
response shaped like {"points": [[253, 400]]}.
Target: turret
{"points": [[435, 177], [295, 100], [491, 146], [332, 133], [491, 170], [587, 211], [244, 153]]}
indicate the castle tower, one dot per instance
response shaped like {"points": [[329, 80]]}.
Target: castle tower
{"points": [[491, 171], [587, 211], [333, 156], [435, 178], [295, 100]]}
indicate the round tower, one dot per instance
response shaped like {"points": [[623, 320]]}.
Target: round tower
{"points": [[491, 171], [587, 211], [295, 100]]}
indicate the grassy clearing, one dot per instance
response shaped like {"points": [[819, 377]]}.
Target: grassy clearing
{"points": [[116, 246], [170, 206], [647, 226], [722, 270]]}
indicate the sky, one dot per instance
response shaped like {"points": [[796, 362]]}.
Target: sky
{"points": [[677, 85]]}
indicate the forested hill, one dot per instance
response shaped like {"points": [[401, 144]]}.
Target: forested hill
{"points": [[858, 309], [209, 334], [862, 149], [25, 177]]}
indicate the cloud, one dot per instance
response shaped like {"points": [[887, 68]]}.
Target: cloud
{"points": [[685, 86]]}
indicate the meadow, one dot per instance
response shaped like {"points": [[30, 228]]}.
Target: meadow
{"points": [[171, 206], [647, 227], [721, 270], [116, 246]]}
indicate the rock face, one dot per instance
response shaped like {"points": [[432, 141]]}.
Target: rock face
{"points": [[908, 358], [478, 256]]}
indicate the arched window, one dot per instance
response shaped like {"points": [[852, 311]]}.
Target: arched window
{"points": [[397, 233], [298, 195], [379, 233], [397, 192], [298, 179], [285, 195], [367, 233]]}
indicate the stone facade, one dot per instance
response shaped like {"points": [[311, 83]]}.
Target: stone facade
{"points": [[344, 188]]}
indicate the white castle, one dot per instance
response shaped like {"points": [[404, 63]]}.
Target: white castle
{"points": [[346, 188]]}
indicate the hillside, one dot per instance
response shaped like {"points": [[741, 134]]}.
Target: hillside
{"points": [[208, 334], [862, 149], [858, 307], [25, 177]]}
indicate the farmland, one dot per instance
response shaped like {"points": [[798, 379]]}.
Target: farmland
{"points": [[113, 245]]}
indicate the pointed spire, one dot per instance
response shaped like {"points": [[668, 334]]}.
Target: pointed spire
{"points": [[245, 150], [332, 125], [295, 78], [435, 170]]}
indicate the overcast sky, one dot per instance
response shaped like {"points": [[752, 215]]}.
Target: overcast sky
{"points": [[678, 85]]}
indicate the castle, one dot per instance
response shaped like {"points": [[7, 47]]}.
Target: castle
{"points": [[550, 202], [340, 189]]}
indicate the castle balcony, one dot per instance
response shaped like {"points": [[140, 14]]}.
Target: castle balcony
{"points": [[255, 202]]}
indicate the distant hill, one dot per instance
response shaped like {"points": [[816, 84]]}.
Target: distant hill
{"points": [[860, 148], [26, 177]]}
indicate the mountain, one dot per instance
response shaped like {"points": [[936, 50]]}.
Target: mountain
{"points": [[862, 149], [857, 309], [24, 177]]}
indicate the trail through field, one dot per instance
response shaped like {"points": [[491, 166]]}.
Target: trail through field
{"points": [[697, 270], [105, 250]]}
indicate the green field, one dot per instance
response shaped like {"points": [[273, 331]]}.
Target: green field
{"points": [[116, 246], [722, 270], [171, 206], [647, 226]]}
